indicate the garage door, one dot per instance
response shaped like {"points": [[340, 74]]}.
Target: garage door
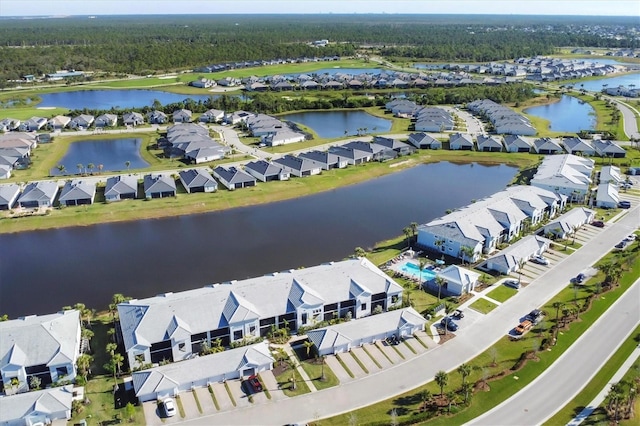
{"points": [[248, 372]]}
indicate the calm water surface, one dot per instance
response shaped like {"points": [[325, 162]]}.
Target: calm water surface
{"points": [[333, 124], [107, 99], [567, 115], [620, 80], [112, 154], [42, 271]]}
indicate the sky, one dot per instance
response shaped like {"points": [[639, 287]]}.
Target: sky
{"points": [[136, 7]]}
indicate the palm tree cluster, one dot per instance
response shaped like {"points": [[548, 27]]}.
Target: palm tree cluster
{"points": [[621, 399]]}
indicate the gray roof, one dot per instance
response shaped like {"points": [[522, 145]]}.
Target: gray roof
{"points": [[197, 177], [489, 142], [52, 402], [390, 143], [233, 175], [264, 168], [159, 183], [297, 163], [322, 157], [374, 325], [369, 147], [8, 193], [121, 184], [36, 340], [546, 144], [607, 147], [176, 375], [148, 320], [344, 152], [39, 191], [517, 141], [460, 139], [77, 189]]}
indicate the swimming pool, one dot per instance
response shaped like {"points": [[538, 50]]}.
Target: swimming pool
{"points": [[413, 270]]}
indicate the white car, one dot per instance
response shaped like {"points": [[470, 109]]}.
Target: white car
{"points": [[169, 407], [540, 260], [630, 237]]}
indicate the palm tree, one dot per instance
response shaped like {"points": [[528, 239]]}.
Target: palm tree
{"points": [[614, 396], [414, 229], [80, 167], [323, 377], [558, 306], [466, 388], [61, 168], [520, 266], [464, 370], [441, 379], [467, 252], [83, 362], [407, 232], [292, 365], [127, 164], [91, 166], [359, 252], [452, 399], [440, 282], [308, 344]]}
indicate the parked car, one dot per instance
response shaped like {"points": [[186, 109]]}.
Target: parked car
{"points": [[630, 237], [449, 324], [512, 283], [523, 327], [535, 316], [624, 204], [622, 244], [458, 314], [169, 406], [255, 384], [540, 260], [578, 278], [597, 224]]}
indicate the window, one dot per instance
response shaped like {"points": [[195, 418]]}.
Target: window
{"points": [[304, 318], [237, 335], [252, 330], [394, 299], [181, 347], [61, 371], [363, 307]]}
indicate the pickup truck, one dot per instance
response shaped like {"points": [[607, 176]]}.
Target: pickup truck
{"points": [[523, 327]]}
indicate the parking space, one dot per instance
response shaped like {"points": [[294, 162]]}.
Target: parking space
{"points": [[337, 369], [154, 416], [377, 354], [365, 359], [415, 344], [351, 364], [426, 339], [270, 383], [222, 397], [189, 405], [239, 396], [206, 401], [390, 352], [404, 350]]}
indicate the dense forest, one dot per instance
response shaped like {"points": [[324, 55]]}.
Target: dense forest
{"points": [[148, 44]]}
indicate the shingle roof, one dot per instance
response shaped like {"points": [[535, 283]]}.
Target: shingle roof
{"points": [[121, 184], [48, 401]]}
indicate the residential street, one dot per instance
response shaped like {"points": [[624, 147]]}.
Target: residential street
{"points": [[469, 342], [572, 371]]}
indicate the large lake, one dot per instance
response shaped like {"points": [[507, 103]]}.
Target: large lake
{"points": [[42, 271], [112, 154], [620, 80], [334, 124], [107, 99], [567, 115]]}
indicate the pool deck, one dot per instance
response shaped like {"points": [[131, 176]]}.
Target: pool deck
{"points": [[397, 263]]}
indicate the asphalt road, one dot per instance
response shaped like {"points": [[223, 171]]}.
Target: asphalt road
{"points": [[551, 391], [470, 341]]}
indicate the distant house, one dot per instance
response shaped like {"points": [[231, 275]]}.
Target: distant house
{"points": [[400, 147], [327, 160], [608, 149], [83, 121], [577, 146], [212, 116], [157, 117], [106, 120], [378, 152], [197, 180], [132, 119], [45, 346], [32, 124], [58, 122], [457, 281], [516, 143], [203, 83], [564, 225], [265, 171], [9, 124], [42, 407], [8, 195], [182, 116], [352, 334], [38, 194], [159, 186], [547, 146], [607, 196], [424, 141], [508, 260], [299, 166], [610, 174], [77, 192], [353, 156], [283, 137], [169, 380], [461, 141], [489, 143], [233, 178], [121, 187], [5, 171]]}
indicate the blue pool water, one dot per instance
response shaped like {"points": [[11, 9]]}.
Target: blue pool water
{"points": [[414, 270]]}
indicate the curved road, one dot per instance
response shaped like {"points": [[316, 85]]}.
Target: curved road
{"points": [[470, 341], [561, 382]]}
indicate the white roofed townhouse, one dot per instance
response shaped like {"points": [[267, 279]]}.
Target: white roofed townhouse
{"points": [[566, 174]]}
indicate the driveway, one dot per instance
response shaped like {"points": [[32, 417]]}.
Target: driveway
{"points": [[206, 401], [365, 359], [154, 416], [239, 395], [337, 369], [391, 353], [351, 364], [375, 353], [189, 405], [222, 396], [270, 383]]}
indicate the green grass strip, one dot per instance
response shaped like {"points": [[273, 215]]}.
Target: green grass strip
{"points": [[365, 369], [410, 347], [419, 340], [266, 391], [233, 400], [180, 407], [195, 396], [213, 396], [345, 367], [375, 361], [383, 352]]}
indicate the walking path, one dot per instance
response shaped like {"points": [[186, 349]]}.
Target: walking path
{"points": [[586, 412], [299, 368]]}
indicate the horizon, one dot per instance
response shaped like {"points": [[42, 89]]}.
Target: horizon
{"points": [[70, 8]]}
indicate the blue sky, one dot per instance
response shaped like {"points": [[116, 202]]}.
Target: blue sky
{"points": [[131, 7]]}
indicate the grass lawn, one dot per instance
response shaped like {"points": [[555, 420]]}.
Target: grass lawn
{"points": [[25, 113], [596, 384], [502, 293], [314, 371], [285, 383], [502, 356], [483, 306]]}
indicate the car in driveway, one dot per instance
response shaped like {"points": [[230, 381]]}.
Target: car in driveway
{"points": [[169, 407], [540, 260], [447, 322], [622, 244], [630, 238], [523, 327], [254, 384], [512, 283], [597, 224], [624, 204], [458, 314]]}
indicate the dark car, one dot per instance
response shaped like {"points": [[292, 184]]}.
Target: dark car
{"points": [[449, 324], [458, 314], [578, 279], [621, 245], [597, 224], [254, 383], [534, 316], [512, 283], [624, 204]]}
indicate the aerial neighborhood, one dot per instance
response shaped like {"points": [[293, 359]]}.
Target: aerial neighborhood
{"points": [[433, 321]]}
